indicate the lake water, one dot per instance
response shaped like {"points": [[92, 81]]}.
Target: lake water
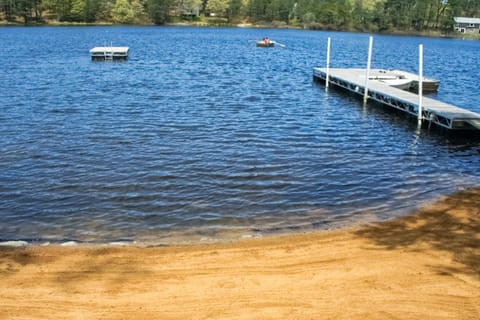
{"points": [[201, 136]]}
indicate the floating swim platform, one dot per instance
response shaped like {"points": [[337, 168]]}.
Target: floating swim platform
{"points": [[109, 53]]}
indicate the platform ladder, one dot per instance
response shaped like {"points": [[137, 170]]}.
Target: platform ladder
{"points": [[108, 55]]}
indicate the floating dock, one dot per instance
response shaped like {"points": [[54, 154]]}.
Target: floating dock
{"points": [[437, 112], [109, 53]]}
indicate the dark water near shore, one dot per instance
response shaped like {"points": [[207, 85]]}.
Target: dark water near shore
{"points": [[201, 135]]}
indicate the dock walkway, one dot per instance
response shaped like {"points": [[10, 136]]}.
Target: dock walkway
{"points": [[443, 114]]}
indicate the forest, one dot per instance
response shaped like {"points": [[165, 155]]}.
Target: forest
{"points": [[350, 15]]}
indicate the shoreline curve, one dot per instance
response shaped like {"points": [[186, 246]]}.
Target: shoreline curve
{"points": [[422, 266]]}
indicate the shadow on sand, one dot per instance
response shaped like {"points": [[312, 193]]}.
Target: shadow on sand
{"points": [[450, 225]]}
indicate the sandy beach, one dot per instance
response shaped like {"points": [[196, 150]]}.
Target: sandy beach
{"points": [[422, 266]]}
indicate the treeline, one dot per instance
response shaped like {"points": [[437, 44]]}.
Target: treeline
{"points": [[363, 15]]}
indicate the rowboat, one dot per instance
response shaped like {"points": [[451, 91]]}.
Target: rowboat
{"points": [[265, 43], [404, 80], [399, 83]]}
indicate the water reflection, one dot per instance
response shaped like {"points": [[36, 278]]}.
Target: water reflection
{"points": [[202, 135]]}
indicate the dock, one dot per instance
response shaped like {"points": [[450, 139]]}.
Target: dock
{"points": [[440, 113], [109, 53]]}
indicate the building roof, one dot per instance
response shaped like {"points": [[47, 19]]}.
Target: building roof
{"points": [[466, 20]]}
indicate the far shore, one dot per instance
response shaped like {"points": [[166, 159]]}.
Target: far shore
{"points": [[422, 266], [201, 23]]}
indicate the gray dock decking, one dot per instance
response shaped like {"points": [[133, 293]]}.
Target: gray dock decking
{"points": [[440, 113]]}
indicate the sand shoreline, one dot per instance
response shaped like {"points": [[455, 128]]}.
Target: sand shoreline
{"points": [[422, 266]]}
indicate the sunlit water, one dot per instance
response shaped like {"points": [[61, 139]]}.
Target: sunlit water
{"points": [[202, 136]]}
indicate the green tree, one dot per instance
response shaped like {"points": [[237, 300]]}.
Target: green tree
{"points": [[334, 13], [219, 7], [138, 8], [159, 10], [90, 10], [122, 12], [234, 9], [61, 8], [8, 7], [28, 10], [104, 10], [189, 7], [279, 10], [365, 15], [442, 7], [257, 9], [77, 11]]}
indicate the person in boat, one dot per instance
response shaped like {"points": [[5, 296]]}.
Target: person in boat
{"points": [[266, 40]]}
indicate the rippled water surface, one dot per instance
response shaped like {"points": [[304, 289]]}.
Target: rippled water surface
{"points": [[201, 135]]}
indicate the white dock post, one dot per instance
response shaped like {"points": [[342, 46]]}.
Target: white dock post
{"points": [[420, 83], [369, 63], [327, 73]]}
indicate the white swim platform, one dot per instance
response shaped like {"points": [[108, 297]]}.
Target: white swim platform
{"points": [[109, 53]]}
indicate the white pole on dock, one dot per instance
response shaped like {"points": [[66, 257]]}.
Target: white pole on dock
{"points": [[327, 76], [420, 83], [369, 63]]}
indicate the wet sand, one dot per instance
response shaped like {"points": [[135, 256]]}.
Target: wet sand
{"points": [[423, 266]]}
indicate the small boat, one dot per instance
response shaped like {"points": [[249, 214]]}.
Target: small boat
{"points": [[429, 85], [265, 43], [399, 83]]}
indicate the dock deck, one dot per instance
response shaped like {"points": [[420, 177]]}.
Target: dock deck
{"points": [[440, 113], [109, 53]]}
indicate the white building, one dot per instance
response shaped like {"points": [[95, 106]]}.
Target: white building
{"points": [[466, 25]]}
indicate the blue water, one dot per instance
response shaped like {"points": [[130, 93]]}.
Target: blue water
{"points": [[202, 136]]}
